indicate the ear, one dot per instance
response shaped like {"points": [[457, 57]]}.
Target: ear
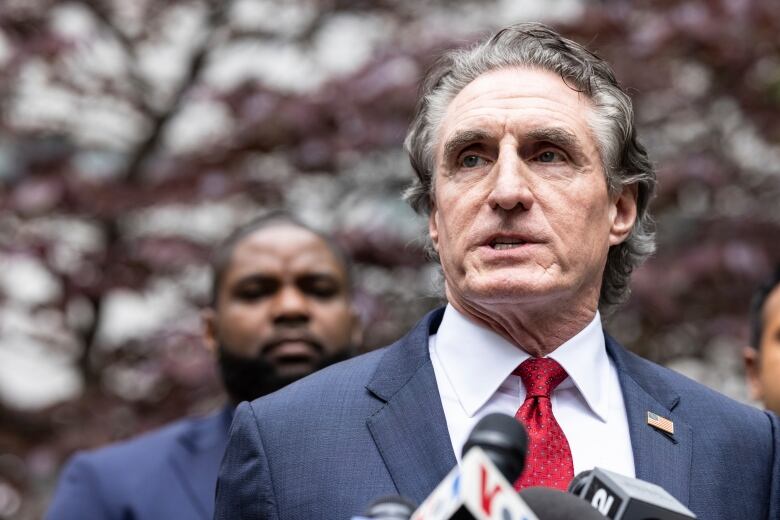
{"points": [[752, 361], [208, 319], [433, 226], [622, 214]]}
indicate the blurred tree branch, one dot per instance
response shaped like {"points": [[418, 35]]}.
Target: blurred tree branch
{"points": [[134, 169], [703, 74]]}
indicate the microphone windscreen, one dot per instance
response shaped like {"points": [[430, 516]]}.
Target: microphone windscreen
{"points": [[551, 504], [504, 441], [390, 508]]}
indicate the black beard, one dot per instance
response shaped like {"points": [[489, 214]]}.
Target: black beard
{"points": [[246, 378]]}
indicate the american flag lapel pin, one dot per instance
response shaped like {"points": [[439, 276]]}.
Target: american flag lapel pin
{"points": [[660, 423]]}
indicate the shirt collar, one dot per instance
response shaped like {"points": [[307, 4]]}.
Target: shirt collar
{"points": [[477, 361]]}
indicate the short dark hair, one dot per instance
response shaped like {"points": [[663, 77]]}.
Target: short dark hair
{"points": [[537, 46], [223, 253], [757, 307]]}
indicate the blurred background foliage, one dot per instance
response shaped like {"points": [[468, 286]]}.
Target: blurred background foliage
{"points": [[136, 134]]}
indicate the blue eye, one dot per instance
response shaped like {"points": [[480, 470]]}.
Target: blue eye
{"points": [[471, 161], [548, 157]]}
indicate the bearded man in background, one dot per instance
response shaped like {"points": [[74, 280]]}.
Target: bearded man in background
{"points": [[281, 308]]}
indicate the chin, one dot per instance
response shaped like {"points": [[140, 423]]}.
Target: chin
{"points": [[502, 289]]}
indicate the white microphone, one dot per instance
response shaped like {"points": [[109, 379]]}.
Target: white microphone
{"points": [[475, 490]]}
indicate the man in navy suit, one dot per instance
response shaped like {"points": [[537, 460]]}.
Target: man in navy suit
{"points": [[281, 308], [762, 355], [536, 190]]}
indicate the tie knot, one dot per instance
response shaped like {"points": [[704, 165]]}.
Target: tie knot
{"points": [[540, 376]]}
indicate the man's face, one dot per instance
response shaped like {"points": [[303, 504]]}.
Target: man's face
{"points": [[763, 367], [521, 211], [283, 300]]}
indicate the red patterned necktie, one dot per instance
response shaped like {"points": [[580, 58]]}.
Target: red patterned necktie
{"points": [[548, 462]]}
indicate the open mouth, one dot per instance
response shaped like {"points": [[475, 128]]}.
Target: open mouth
{"points": [[501, 244]]}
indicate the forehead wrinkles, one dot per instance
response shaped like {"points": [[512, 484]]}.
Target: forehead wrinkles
{"points": [[503, 104], [495, 109]]}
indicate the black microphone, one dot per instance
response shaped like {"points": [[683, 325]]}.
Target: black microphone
{"points": [[624, 498], [504, 441], [481, 488], [388, 508], [551, 504]]}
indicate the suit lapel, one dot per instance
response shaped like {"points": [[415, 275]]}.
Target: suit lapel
{"points": [[197, 456], [658, 458], [410, 429]]}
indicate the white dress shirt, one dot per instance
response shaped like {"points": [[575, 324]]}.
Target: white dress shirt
{"points": [[473, 367]]}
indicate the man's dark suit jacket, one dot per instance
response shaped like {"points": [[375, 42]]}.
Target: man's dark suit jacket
{"points": [[167, 474], [324, 447]]}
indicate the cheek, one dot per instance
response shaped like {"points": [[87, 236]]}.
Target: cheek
{"points": [[584, 222], [448, 239], [581, 242], [770, 366], [769, 373], [454, 224], [241, 321], [457, 205]]}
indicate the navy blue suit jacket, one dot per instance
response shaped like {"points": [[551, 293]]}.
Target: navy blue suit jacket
{"points": [[324, 447], [170, 474]]}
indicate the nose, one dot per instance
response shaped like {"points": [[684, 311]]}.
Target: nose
{"points": [[290, 307], [510, 189]]}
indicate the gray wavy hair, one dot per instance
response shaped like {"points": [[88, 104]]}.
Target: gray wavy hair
{"points": [[534, 45]]}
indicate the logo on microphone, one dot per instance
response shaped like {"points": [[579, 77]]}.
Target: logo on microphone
{"points": [[475, 490], [493, 499], [600, 497], [602, 501]]}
